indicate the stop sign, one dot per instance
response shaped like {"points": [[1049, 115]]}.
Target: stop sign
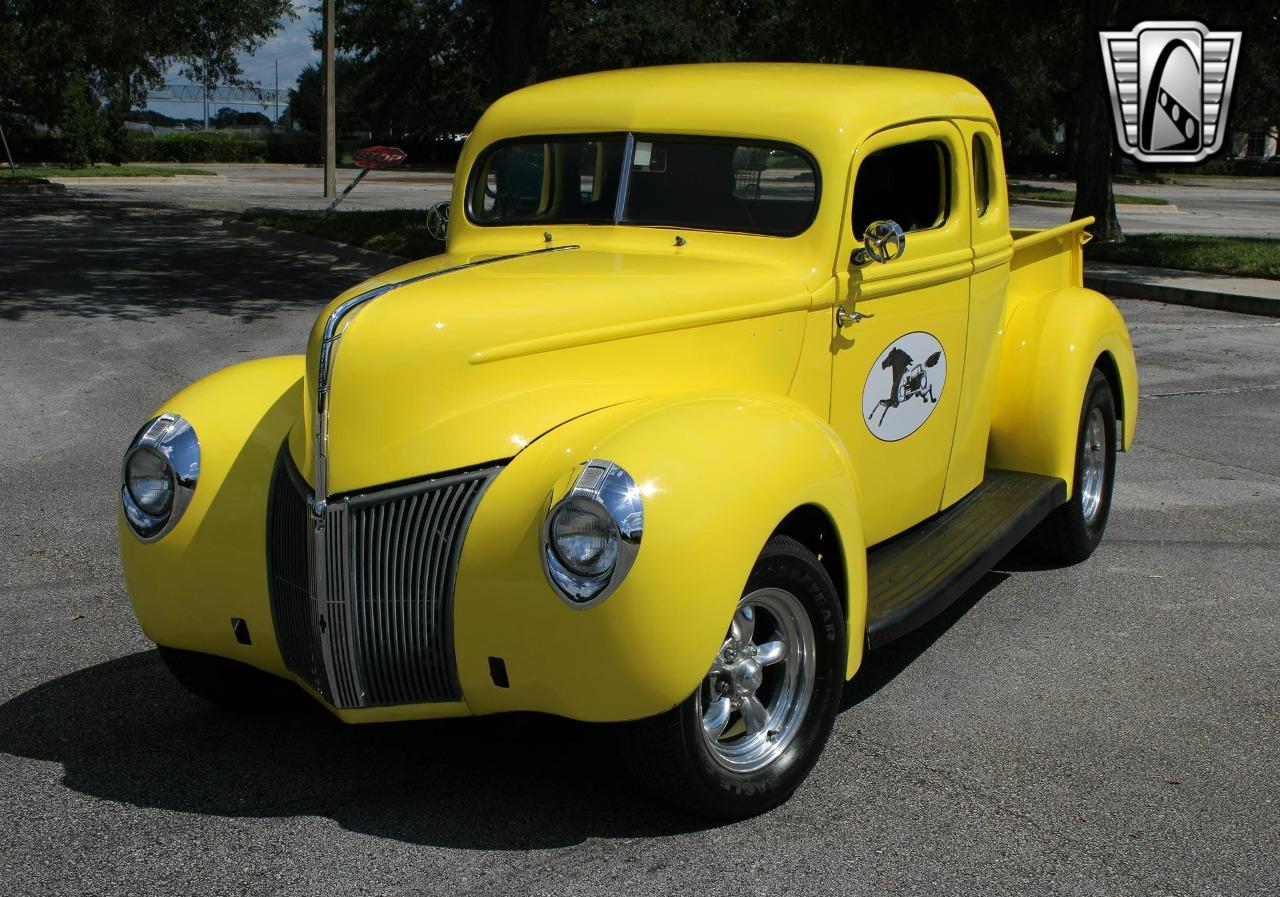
{"points": [[375, 157]]}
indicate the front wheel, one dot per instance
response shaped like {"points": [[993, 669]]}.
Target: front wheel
{"points": [[753, 728], [225, 682], [1071, 533]]}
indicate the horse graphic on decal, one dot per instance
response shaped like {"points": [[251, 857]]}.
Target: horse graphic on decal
{"points": [[910, 380]]}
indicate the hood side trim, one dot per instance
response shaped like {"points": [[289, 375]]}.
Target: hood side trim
{"points": [[801, 302]]}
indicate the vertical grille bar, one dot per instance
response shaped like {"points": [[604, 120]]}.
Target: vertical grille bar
{"points": [[289, 575], [391, 562]]}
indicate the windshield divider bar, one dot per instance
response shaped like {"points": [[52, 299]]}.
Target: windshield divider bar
{"points": [[624, 183]]}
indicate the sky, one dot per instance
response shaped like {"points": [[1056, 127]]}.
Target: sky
{"points": [[290, 46]]}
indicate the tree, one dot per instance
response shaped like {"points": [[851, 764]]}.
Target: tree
{"points": [[1094, 131], [353, 99], [96, 57], [417, 61]]}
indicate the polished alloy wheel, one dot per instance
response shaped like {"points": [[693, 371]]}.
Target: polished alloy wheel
{"points": [[1093, 465], [755, 696]]}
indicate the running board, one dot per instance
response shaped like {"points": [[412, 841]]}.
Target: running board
{"points": [[916, 575]]}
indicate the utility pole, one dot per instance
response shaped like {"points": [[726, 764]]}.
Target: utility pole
{"points": [[330, 106], [277, 121], [206, 94]]}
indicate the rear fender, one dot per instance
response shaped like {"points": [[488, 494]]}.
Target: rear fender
{"points": [[1050, 346], [718, 475], [187, 586]]}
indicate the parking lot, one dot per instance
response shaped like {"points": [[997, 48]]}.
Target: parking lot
{"points": [[1111, 728], [1216, 206]]}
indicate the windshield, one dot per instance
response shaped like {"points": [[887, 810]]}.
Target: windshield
{"points": [[679, 182]]}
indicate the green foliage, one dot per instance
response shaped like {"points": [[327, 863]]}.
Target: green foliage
{"points": [[353, 96], [1235, 256], [76, 66], [197, 147], [211, 147], [82, 126], [1058, 194]]}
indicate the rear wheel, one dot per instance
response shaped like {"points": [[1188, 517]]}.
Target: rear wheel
{"points": [[1071, 533], [753, 728]]}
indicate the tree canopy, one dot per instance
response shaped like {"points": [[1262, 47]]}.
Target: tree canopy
{"points": [[429, 67], [61, 61]]}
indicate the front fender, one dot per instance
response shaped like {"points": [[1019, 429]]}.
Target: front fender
{"points": [[1051, 344], [719, 474], [187, 586]]}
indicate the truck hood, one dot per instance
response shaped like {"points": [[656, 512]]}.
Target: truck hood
{"points": [[469, 366]]}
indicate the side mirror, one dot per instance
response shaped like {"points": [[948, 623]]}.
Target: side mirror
{"points": [[438, 220], [883, 241]]}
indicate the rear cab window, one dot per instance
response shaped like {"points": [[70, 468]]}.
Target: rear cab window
{"points": [[981, 175]]}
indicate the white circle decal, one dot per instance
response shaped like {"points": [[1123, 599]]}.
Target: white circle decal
{"points": [[904, 386]]}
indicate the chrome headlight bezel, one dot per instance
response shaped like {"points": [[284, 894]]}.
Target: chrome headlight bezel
{"points": [[170, 438], [609, 487]]}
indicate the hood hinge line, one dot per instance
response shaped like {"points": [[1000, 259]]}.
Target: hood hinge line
{"points": [[338, 319]]}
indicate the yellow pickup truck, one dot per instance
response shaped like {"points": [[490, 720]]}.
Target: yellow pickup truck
{"points": [[729, 373]]}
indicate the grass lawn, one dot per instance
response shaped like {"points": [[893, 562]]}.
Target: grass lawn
{"points": [[1057, 194], [395, 231], [106, 171], [1238, 256]]}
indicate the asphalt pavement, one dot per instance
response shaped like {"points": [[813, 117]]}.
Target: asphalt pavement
{"points": [[1110, 728], [235, 188]]}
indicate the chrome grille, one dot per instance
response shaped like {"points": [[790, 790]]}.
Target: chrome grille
{"points": [[382, 632], [289, 574]]}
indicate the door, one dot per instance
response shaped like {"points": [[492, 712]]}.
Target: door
{"points": [[897, 371]]}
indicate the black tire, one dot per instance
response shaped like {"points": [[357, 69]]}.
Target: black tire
{"points": [[1070, 534], [225, 682], [670, 754]]}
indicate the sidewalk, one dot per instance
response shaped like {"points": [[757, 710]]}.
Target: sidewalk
{"points": [[1246, 295]]}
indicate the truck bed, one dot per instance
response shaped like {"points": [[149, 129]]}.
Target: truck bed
{"points": [[1045, 260]]}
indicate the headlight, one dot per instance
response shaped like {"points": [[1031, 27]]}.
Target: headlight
{"points": [[591, 537], [584, 537], [160, 472]]}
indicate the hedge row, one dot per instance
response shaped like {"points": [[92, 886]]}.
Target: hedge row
{"points": [[198, 146], [210, 147]]}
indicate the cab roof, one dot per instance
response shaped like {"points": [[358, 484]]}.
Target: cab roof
{"points": [[820, 107]]}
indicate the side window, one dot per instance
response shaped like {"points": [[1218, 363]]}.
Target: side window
{"points": [[981, 175], [513, 182], [909, 184]]}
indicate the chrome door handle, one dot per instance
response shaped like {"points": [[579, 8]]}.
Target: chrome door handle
{"points": [[844, 317]]}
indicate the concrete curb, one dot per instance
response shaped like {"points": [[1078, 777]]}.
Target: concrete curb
{"points": [[1241, 295], [288, 239], [1138, 207]]}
